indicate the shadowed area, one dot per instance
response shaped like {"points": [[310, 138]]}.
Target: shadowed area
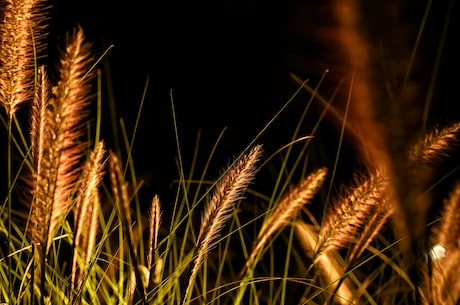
{"points": [[228, 65]]}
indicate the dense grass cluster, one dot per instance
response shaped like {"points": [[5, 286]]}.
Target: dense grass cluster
{"points": [[72, 230]]}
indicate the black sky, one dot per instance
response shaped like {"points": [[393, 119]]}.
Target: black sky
{"points": [[226, 62], [219, 59]]}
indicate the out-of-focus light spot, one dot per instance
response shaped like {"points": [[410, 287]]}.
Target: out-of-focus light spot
{"points": [[438, 252]]}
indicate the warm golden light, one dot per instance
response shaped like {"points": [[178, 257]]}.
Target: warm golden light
{"points": [[438, 252]]}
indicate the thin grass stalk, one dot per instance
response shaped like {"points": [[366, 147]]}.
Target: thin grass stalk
{"points": [[206, 166], [331, 270], [177, 210], [297, 130], [286, 263], [91, 250], [181, 168], [121, 198], [434, 75], [9, 189], [223, 250], [135, 185], [119, 188], [218, 210]]}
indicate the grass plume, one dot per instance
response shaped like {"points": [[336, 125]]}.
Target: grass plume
{"points": [[86, 212], [445, 252], [353, 215], [154, 229], [218, 209], [287, 208], [331, 269], [56, 150], [436, 145], [85, 234], [22, 37]]}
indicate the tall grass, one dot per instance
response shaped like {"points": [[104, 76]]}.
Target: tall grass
{"points": [[73, 229]]}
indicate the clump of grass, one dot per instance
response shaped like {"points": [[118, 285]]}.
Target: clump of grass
{"points": [[358, 217], [56, 151], [81, 236]]}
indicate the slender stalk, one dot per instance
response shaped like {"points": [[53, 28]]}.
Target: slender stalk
{"points": [[120, 189], [10, 248]]}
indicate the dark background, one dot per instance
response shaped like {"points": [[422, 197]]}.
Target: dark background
{"points": [[221, 60], [227, 64]]}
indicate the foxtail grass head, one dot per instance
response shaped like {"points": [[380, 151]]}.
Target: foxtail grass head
{"points": [[22, 34]]}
